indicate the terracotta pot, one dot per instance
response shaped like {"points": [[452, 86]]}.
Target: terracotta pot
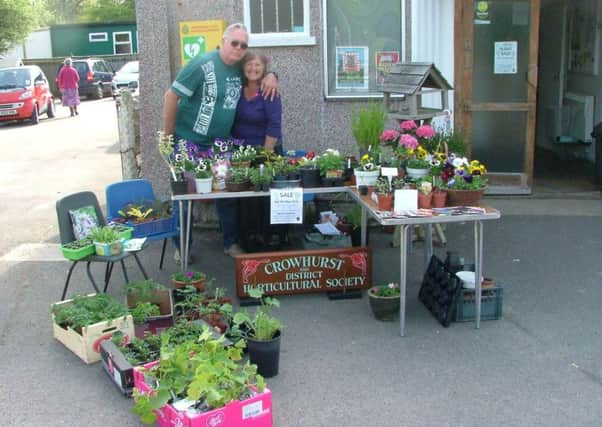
{"points": [[385, 202], [464, 197], [424, 200], [439, 198], [199, 284]]}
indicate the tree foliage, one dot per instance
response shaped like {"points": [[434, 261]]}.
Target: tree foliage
{"points": [[64, 11], [17, 19], [109, 11]]}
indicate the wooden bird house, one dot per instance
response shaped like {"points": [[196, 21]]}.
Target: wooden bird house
{"points": [[411, 80]]}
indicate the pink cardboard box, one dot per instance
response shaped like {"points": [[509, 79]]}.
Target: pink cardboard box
{"points": [[253, 412]]}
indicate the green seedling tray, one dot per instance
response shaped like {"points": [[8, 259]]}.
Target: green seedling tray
{"points": [[77, 254]]}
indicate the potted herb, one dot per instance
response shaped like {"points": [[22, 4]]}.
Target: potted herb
{"points": [[194, 379], [107, 241], [331, 165], [384, 301], [367, 124], [181, 279], [79, 323], [261, 177], [238, 179], [262, 332]]}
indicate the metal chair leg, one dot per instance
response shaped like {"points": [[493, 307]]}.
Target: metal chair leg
{"points": [[91, 278], [73, 264], [140, 264], [125, 273], [163, 254]]}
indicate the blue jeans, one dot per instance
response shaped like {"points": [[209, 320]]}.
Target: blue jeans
{"points": [[227, 214]]}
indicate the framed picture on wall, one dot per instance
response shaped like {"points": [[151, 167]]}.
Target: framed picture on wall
{"points": [[352, 69], [384, 59], [584, 38]]}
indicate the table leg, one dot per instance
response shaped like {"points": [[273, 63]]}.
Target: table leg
{"points": [[478, 237], [182, 234], [403, 264], [188, 231], [364, 224]]}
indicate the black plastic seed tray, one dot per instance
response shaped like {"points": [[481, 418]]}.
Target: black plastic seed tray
{"points": [[439, 291]]}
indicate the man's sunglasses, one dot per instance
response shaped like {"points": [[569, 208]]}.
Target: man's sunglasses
{"points": [[236, 43]]}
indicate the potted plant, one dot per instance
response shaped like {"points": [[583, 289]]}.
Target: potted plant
{"points": [[82, 323], [261, 177], [194, 379], [384, 301], [425, 193], [262, 332], [238, 179], [367, 124], [331, 165], [78, 249], [203, 176], [147, 217], [351, 224], [368, 171], [243, 156], [464, 181], [107, 241], [155, 294], [199, 280], [384, 193], [309, 171], [177, 160]]}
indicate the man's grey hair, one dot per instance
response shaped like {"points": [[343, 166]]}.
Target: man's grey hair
{"points": [[237, 26], [67, 61]]}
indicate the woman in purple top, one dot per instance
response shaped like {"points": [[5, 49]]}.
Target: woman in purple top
{"points": [[258, 120]]}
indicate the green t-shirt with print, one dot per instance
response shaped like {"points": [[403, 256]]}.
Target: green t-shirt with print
{"points": [[209, 91]]}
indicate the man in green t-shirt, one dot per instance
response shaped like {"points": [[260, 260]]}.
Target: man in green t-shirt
{"points": [[200, 106]]}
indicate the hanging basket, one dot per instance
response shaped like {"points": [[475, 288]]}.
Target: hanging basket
{"points": [[464, 197]]}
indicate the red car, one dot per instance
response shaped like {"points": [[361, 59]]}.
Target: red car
{"points": [[25, 94]]}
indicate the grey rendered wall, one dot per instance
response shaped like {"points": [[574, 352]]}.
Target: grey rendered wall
{"points": [[310, 122]]}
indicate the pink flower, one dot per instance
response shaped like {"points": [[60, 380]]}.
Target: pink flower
{"points": [[389, 135], [425, 131], [408, 141], [408, 125]]}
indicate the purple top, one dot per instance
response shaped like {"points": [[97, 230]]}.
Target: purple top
{"points": [[257, 118]]}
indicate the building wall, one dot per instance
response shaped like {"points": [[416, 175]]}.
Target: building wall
{"points": [[73, 40], [309, 121], [37, 45]]}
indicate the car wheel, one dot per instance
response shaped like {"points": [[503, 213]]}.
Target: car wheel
{"points": [[50, 111], [98, 94], [35, 116]]}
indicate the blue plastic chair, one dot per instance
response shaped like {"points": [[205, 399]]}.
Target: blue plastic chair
{"points": [[121, 193]]}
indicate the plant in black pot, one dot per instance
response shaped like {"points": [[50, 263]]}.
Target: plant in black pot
{"points": [[308, 169], [261, 177], [262, 333]]}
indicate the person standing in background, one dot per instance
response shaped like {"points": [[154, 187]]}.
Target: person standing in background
{"points": [[68, 82]]}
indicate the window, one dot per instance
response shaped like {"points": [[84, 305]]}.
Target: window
{"points": [[278, 22], [361, 40], [122, 42], [98, 37]]}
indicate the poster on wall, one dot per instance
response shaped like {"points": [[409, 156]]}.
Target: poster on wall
{"points": [[198, 37], [384, 59], [352, 68], [505, 57]]}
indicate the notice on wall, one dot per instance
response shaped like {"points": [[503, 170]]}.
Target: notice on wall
{"points": [[505, 57], [352, 67], [384, 60], [198, 37], [286, 205]]}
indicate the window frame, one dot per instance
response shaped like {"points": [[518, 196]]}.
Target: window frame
{"points": [[301, 38], [355, 95], [104, 37], [115, 42]]}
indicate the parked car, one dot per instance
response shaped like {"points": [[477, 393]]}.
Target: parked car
{"points": [[25, 94], [125, 78], [95, 76]]}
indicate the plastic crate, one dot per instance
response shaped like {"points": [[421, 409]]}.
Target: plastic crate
{"points": [[158, 226], [492, 299]]}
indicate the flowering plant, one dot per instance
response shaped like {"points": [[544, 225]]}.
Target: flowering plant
{"points": [[367, 163], [460, 174], [308, 161], [389, 290], [425, 186], [223, 148], [411, 142], [203, 169], [188, 276], [244, 153]]}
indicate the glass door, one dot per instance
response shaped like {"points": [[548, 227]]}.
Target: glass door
{"points": [[497, 42]]}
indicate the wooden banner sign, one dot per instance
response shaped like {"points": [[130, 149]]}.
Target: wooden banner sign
{"points": [[304, 271]]}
